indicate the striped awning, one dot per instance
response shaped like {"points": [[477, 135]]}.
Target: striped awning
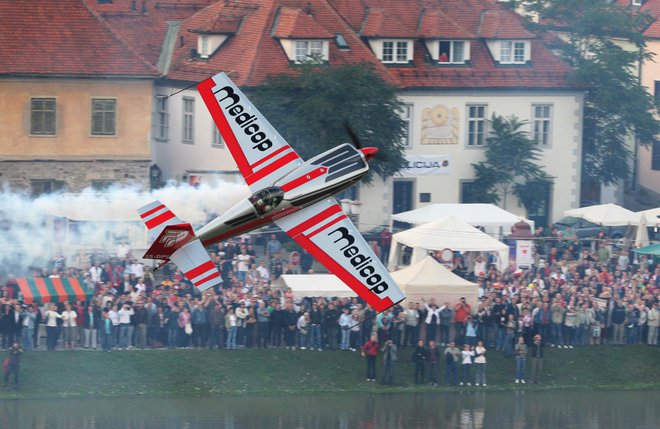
{"points": [[59, 289]]}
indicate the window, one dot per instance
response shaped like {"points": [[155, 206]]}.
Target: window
{"points": [[204, 46], [512, 52], [452, 52], [406, 115], [425, 197], [162, 118], [188, 119], [42, 116], [101, 185], [46, 186], [637, 2], [655, 155], [541, 117], [656, 92], [309, 50], [104, 117], [468, 193], [216, 140], [395, 51], [476, 125]]}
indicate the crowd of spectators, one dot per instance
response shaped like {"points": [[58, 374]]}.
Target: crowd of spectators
{"points": [[578, 294]]}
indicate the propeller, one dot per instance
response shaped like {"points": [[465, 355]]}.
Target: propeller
{"points": [[354, 138]]}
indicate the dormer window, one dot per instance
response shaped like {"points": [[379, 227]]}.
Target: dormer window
{"points": [[452, 52], [513, 52], [207, 44], [310, 50], [637, 2], [396, 51]]}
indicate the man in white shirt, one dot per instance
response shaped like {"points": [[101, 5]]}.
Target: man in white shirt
{"points": [[96, 272], [263, 271], [123, 249], [137, 269], [124, 326]]}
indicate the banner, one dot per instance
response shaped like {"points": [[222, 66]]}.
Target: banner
{"points": [[426, 165], [524, 253]]}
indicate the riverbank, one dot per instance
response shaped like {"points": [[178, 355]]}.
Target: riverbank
{"points": [[240, 372]]}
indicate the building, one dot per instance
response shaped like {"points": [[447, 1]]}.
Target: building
{"points": [[75, 100], [648, 158]]}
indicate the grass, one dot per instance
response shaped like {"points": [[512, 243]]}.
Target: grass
{"points": [[217, 372]]}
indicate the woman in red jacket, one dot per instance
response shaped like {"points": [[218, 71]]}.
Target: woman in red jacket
{"points": [[370, 350]]}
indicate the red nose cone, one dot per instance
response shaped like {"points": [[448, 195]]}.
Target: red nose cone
{"points": [[369, 152]]}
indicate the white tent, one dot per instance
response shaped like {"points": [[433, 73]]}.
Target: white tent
{"points": [[446, 233], [316, 285], [487, 215], [605, 214], [650, 217], [429, 279]]}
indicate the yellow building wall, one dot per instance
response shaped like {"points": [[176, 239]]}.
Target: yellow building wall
{"points": [[649, 178], [73, 139]]}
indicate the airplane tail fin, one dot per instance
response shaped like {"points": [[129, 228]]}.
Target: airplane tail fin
{"points": [[176, 241]]}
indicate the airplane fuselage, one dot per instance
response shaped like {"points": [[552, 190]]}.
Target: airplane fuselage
{"points": [[320, 177]]}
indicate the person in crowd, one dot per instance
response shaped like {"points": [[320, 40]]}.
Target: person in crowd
{"points": [[461, 312], [106, 330], [480, 364], [29, 324], [290, 326], [331, 321], [521, 358], [536, 353], [411, 325], [141, 321], [433, 359], [653, 321], [125, 326], [91, 322], [471, 329], [467, 354], [452, 358], [13, 365], [315, 320], [510, 327], [432, 319], [231, 324], [419, 357], [370, 351], [389, 351], [263, 325], [345, 324], [354, 333], [51, 317], [185, 328], [303, 330], [217, 324]]}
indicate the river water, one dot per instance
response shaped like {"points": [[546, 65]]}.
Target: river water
{"points": [[456, 410]]}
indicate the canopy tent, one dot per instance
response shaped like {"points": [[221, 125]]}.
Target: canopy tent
{"points": [[429, 279], [653, 250], [487, 215], [446, 233], [317, 285], [605, 214], [650, 217], [58, 289]]}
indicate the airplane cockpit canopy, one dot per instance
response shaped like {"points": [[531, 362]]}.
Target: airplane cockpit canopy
{"points": [[266, 200]]}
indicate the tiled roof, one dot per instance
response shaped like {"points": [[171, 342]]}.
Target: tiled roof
{"points": [[220, 25], [291, 23], [435, 24], [652, 7], [64, 37], [501, 24], [383, 23]]}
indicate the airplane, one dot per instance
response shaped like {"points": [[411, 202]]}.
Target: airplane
{"points": [[294, 194]]}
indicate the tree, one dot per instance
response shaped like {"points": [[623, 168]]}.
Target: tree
{"points": [[605, 46], [310, 109], [510, 166]]}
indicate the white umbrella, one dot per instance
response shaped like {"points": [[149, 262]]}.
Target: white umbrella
{"points": [[651, 217], [606, 215]]}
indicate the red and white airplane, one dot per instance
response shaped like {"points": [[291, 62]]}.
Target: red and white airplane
{"points": [[295, 195]]}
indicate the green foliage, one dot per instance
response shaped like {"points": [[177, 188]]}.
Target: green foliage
{"points": [[616, 105], [310, 108], [510, 162]]}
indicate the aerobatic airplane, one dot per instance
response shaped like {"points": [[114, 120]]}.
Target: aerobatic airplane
{"points": [[297, 196]]}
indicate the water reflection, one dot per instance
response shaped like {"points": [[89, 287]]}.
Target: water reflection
{"points": [[469, 410]]}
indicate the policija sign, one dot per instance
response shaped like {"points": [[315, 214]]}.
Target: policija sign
{"points": [[426, 165]]}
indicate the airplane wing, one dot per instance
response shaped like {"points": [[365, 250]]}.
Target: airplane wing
{"points": [[262, 155], [330, 236]]}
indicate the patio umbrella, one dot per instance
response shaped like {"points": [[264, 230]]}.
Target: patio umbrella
{"points": [[606, 215]]}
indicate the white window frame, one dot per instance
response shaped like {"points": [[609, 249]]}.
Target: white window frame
{"points": [[636, 2], [162, 118], [452, 51], [407, 116], [43, 113], [510, 52], [204, 46], [399, 51], [475, 137], [103, 133], [542, 124], [188, 123], [216, 137], [304, 50]]}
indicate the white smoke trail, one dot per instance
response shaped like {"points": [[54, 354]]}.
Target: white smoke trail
{"points": [[34, 230]]}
